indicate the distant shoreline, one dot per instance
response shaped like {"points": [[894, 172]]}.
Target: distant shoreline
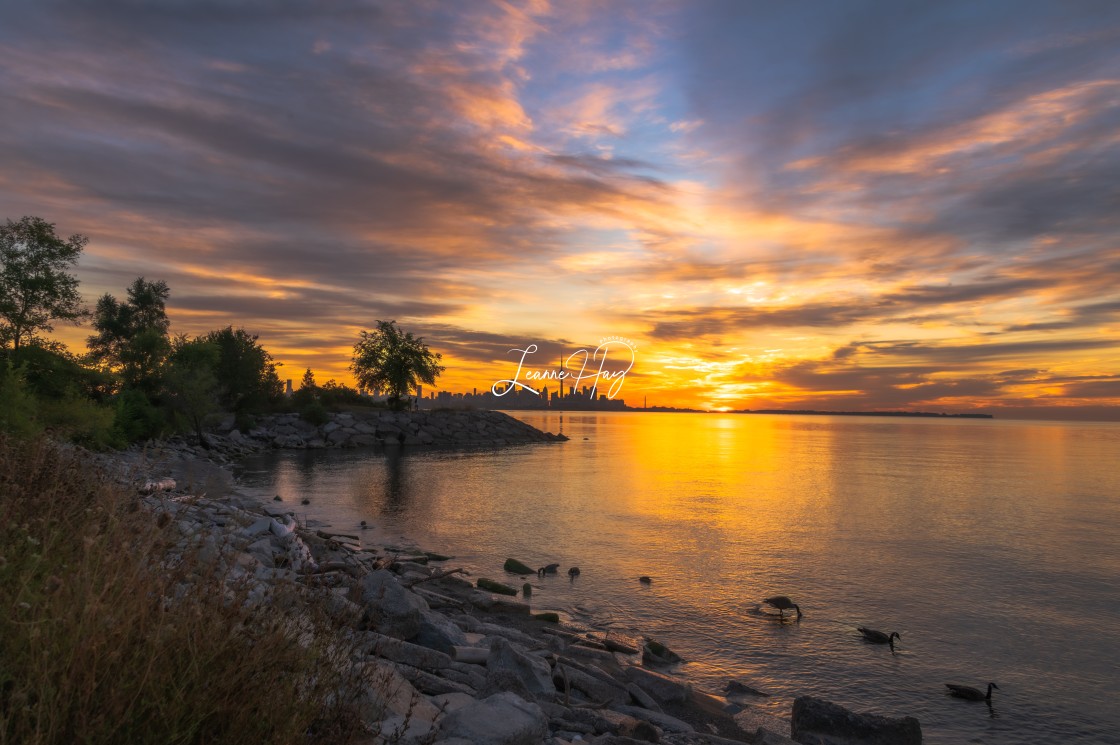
{"points": [[806, 412], [813, 412]]}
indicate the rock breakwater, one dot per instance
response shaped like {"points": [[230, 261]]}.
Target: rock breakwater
{"points": [[373, 428]]}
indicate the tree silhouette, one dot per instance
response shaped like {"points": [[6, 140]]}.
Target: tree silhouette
{"points": [[388, 360], [35, 288]]}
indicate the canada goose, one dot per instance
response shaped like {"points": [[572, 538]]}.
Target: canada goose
{"points": [[878, 637], [782, 603], [970, 693], [549, 569], [573, 572]]}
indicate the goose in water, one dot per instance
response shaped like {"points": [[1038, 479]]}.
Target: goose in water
{"points": [[782, 603], [878, 637], [970, 693]]}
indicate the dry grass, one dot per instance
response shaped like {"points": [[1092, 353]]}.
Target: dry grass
{"points": [[108, 635]]}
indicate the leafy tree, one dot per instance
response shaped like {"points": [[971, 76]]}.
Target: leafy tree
{"points": [[307, 393], [131, 336], [246, 372], [190, 385], [391, 361], [35, 286]]}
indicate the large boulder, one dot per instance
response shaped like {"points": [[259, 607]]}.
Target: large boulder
{"points": [[592, 688], [533, 671], [388, 607], [501, 719], [437, 631], [819, 722], [390, 703]]}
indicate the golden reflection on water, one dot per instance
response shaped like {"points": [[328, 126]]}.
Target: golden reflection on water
{"points": [[987, 545]]}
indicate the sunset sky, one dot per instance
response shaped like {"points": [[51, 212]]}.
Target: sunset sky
{"points": [[833, 205]]}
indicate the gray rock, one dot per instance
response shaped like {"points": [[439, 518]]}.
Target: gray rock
{"points": [[505, 681], [262, 551], [393, 705], [407, 653], [261, 525], [534, 672], [643, 699], [438, 632], [341, 609], [592, 688], [433, 684], [501, 719], [664, 721], [292, 442], [641, 731], [664, 688], [815, 720], [513, 635], [763, 736], [390, 608], [496, 604], [449, 702]]}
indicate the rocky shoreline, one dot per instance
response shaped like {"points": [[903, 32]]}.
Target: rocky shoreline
{"points": [[457, 664], [376, 428]]}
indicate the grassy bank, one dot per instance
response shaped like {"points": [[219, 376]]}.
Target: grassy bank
{"points": [[112, 631]]}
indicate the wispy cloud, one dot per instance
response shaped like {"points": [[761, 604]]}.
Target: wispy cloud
{"points": [[757, 195]]}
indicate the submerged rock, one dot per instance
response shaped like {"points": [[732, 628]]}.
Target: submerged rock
{"points": [[498, 587], [735, 688], [655, 653], [817, 721], [513, 566]]}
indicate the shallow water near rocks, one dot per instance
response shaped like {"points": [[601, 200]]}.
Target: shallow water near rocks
{"points": [[990, 546]]}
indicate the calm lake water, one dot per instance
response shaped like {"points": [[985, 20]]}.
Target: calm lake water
{"points": [[992, 547]]}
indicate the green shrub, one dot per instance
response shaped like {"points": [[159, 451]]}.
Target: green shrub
{"points": [[18, 406], [336, 396], [314, 413], [136, 418], [82, 421]]}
